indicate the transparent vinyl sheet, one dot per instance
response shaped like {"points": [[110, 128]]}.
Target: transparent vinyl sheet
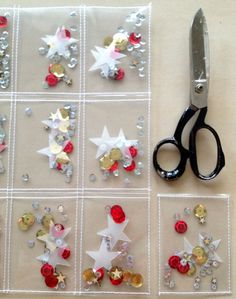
{"points": [[3, 240], [194, 244]]}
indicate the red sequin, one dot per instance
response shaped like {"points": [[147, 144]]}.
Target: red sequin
{"points": [[181, 226], [51, 281], [68, 148], [133, 39], [117, 214], [101, 273], [114, 167], [59, 167], [51, 80], [174, 261], [116, 282], [3, 22], [47, 270], [68, 34], [133, 151], [131, 167], [66, 253], [120, 74], [183, 269]]}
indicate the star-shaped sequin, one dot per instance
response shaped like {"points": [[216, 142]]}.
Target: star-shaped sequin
{"points": [[54, 239], [115, 231], [106, 58], [188, 248], [103, 257], [59, 43], [53, 258]]}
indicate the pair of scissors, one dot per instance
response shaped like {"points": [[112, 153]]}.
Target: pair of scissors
{"points": [[199, 83]]}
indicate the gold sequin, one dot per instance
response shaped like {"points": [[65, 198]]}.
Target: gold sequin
{"points": [[22, 225], [136, 280], [62, 158], [115, 154], [191, 271], [120, 41], [46, 220], [40, 233], [57, 70], [107, 41], [89, 276], [200, 211], [28, 219], [64, 113], [106, 162], [200, 255], [127, 275]]}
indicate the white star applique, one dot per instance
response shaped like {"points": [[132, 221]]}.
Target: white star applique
{"points": [[59, 43], [106, 58], [188, 248], [53, 258], [114, 231], [123, 144], [104, 143], [53, 241], [210, 248], [103, 257]]}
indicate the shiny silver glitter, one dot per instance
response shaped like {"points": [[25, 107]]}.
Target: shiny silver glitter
{"points": [[187, 211], [108, 209], [73, 28], [73, 13], [127, 181], [47, 210], [137, 171], [25, 177], [60, 209], [42, 51], [35, 205], [30, 243]]}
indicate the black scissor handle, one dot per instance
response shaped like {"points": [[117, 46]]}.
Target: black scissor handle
{"points": [[220, 163], [175, 140], [170, 175]]}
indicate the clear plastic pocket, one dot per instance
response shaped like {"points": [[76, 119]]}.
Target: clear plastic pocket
{"points": [[194, 242]]}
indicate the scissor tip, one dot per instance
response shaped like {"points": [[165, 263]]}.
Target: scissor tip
{"points": [[200, 13]]}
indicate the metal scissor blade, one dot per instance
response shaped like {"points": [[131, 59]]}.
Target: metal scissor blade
{"points": [[199, 60]]}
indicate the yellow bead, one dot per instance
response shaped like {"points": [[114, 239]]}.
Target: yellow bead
{"points": [[115, 154], [22, 225], [107, 41], [57, 70], [106, 162], [200, 211], [127, 276], [120, 41], [28, 219], [46, 220], [136, 280], [62, 158]]}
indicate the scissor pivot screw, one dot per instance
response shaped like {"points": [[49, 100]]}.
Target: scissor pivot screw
{"points": [[199, 88]]}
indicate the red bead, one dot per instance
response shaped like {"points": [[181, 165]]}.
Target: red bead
{"points": [[51, 80], [181, 226], [47, 270], [51, 281], [117, 214], [114, 167], [3, 22], [120, 74], [66, 253], [131, 167], [101, 274], [183, 269], [68, 34], [59, 167], [68, 148], [116, 282], [133, 151], [133, 39], [174, 261]]}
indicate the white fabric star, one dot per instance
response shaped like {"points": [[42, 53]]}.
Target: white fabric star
{"points": [[114, 231], [104, 143], [103, 257], [54, 241], [53, 258], [47, 152], [211, 251], [188, 248], [59, 43], [123, 144], [106, 58]]}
